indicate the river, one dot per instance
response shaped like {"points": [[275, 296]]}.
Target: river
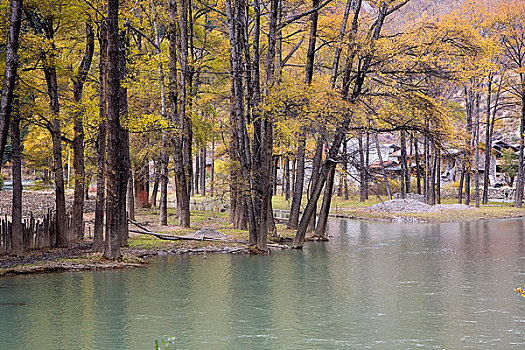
{"points": [[372, 286]]}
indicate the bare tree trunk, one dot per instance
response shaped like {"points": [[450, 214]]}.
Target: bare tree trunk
{"points": [[212, 177], [382, 165], [362, 171], [316, 166], [518, 202], [438, 176], [418, 166], [488, 143], [298, 184], [130, 199], [203, 170], [178, 112], [163, 203], [345, 170], [461, 183], [98, 232], [77, 224], [339, 47], [433, 175], [476, 145], [155, 189], [286, 182], [17, 239], [164, 157], [124, 164], [320, 230], [11, 66], [58, 169], [196, 186], [403, 164], [114, 201]]}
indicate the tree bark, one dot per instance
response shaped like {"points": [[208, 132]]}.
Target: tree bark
{"points": [[316, 167], [164, 157], [339, 47], [11, 66], [518, 202], [17, 239], [403, 164], [418, 166], [177, 97], [298, 184], [476, 146], [488, 143], [286, 184], [77, 224], [320, 230], [203, 170], [114, 199], [124, 164], [98, 231], [58, 169], [382, 165]]}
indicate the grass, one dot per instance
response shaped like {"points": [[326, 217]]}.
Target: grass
{"points": [[485, 212]]}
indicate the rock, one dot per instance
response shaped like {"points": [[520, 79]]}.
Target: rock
{"points": [[414, 206], [208, 232]]}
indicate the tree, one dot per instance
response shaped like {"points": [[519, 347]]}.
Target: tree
{"points": [[11, 65]]}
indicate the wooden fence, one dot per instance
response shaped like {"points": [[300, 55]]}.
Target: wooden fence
{"points": [[37, 233]]}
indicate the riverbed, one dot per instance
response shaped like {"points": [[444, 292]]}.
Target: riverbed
{"points": [[374, 285]]}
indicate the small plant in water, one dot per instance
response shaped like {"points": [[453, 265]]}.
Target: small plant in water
{"points": [[165, 344], [520, 290]]}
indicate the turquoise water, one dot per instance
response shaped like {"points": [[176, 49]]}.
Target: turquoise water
{"points": [[374, 285]]}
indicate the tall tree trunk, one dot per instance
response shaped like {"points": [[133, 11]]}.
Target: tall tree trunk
{"points": [[212, 175], [130, 198], [418, 166], [196, 187], [298, 184], [11, 66], [164, 157], [155, 189], [178, 114], [163, 202], [518, 202], [286, 182], [316, 166], [17, 238], [403, 164], [124, 164], [114, 199], [488, 143], [337, 55], [433, 165], [438, 176], [203, 170], [58, 169], [461, 184], [345, 170], [476, 145], [98, 231], [362, 171], [320, 230], [77, 222], [382, 165]]}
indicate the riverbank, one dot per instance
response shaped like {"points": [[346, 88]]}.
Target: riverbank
{"points": [[79, 256]]}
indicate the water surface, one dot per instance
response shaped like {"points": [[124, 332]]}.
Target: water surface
{"points": [[374, 285]]}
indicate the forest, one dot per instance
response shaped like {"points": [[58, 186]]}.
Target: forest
{"points": [[141, 100]]}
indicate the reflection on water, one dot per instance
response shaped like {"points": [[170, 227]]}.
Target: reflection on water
{"points": [[374, 285]]}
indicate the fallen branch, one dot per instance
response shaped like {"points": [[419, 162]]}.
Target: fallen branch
{"points": [[146, 231]]}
